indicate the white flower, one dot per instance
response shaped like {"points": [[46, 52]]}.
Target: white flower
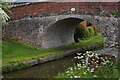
{"points": [[103, 63], [71, 72], [92, 70], [94, 76], [71, 76], [78, 64], [87, 51], [79, 53], [81, 56], [75, 76], [88, 69], [96, 54], [67, 71], [79, 76], [71, 68], [107, 61], [58, 73], [84, 66], [84, 54], [96, 66], [75, 57], [84, 72], [75, 67], [68, 74]]}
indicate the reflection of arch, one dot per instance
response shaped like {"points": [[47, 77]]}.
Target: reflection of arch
{"points": [[60, 33]]}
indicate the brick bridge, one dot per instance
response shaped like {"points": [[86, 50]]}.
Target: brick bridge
{"points": [[52, 24]]}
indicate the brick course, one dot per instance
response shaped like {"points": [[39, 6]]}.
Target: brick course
{"points": [[57, 7]]}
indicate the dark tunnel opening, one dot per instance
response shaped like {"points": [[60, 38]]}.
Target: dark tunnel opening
{"points": [[61, 33]]}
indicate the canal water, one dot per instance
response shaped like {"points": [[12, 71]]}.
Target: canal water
{"points": [[45, 70]]}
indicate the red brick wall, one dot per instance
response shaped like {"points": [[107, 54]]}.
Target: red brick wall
{"points": [[56, 7]]}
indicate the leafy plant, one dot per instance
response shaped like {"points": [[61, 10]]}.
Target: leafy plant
{"points": [[89, 33], [4, 9], [113, 12]]}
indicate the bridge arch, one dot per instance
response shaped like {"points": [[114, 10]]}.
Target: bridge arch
{"points": [[60, 33], [106, 25]]}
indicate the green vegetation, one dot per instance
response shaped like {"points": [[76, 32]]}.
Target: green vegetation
{"points": [[104, 71], [89, 32], [113, 12], [91, 65], [109, 70], [82, 32], [16, 52], [4, 9]]}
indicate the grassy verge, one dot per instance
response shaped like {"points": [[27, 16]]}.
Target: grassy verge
{"points": [[14, 52]]}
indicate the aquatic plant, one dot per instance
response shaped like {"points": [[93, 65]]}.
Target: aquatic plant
{"points": [[92, 65]]}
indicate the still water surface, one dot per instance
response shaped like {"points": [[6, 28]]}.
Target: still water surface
{"points": [[46, 70]]}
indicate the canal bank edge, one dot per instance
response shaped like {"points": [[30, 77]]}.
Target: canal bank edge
{"points": [[33, 62]]}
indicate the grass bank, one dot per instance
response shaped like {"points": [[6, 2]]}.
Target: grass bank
{"points": [[15, 52]]}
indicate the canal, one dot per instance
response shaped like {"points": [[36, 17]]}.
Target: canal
{"points": [[45, 70]]}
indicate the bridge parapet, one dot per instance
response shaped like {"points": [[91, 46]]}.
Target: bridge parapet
{"points": [[63, 7]]}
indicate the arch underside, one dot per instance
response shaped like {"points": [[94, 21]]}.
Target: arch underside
{"points": [[61, 33]]}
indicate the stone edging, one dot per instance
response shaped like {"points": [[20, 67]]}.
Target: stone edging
{"points": [[53, 57]]}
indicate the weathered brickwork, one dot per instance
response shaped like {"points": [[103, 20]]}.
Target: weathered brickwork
{"points": [[58, 7]]}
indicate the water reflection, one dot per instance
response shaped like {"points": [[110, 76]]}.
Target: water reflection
{"points": [[46, 70]]}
